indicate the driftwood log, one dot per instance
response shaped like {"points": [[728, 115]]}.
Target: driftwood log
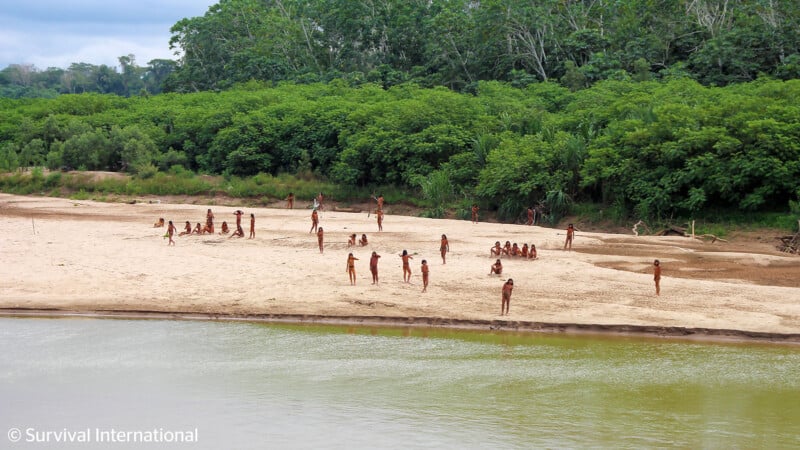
{"points": [[789, 244]]}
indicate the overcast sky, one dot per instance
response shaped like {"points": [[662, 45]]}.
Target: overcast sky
{"points": [[57, 33]]}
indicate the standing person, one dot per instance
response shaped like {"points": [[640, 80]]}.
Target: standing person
{"points": [[506, 296], [406, 268], [379, 200], [530, 216], [320, 199], [570, 236], [373, 267], [320, 238], [170, 232], [380, 219], [474, 213], [290, 201], [444, 247], [657, 276], [252, 226], [314, 221], [238, 213], [425, 269], [532, 253], [351, 268], [209, 222]]}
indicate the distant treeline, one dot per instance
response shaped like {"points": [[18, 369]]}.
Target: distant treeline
{"points": [[455, 44], [649, 149]]}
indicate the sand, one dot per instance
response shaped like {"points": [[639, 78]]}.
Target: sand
{"points": [[84, 256]]}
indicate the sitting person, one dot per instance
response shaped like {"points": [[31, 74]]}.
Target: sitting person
{"points": [[515, 250], [159, 224], [363, 241], [524, 251], [225, 229], [496, 250], [238, 233], [187, 229], [351, 241], [497, 268], [197, 229], [507, 249]]}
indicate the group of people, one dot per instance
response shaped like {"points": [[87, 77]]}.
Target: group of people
{"points": [[209, 227], [514, 250], [373, 268]]}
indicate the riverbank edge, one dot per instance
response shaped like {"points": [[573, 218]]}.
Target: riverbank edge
{"points": [[681, 333]]}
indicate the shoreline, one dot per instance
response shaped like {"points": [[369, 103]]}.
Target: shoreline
{"points": [[87, 257], [708, 335]]}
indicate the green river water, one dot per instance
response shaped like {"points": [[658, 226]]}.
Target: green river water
{"points": [[246, 385]]}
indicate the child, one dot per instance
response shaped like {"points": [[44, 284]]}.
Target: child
{"points": [[252, 226], [444, 247], [314, 221], [351, 241], [532, 253], [657, 276], [506, 296], [225, 229], [497, 268], [373, 267], [425, 270], [351, 268], [170, 231], [363, 241], [406, 268], [570, 235], [320, 238], [496, 250]]}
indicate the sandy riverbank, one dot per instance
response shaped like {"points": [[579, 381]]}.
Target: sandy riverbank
{"points": [[61, 254]]}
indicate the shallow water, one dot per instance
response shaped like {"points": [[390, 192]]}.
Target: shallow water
{"points": [[243, 385]]}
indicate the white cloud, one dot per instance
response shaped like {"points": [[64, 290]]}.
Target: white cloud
{"points": [[57, 34]]}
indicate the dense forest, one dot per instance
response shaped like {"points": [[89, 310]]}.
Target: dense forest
{"points": [[454, 43], [651, 108]]}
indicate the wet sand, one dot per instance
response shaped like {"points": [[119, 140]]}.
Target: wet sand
{"points": [[84, 257]]}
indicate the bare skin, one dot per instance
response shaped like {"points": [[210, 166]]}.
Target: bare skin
{"points": [[380, 220], [187, 229], [351, 268], [425, 270], [170, 232], [373, 267], [496, 268], [496, 250], [406, 268], [570, 236], [506, 297], [159, 223], [657, 276], [320, 239], [290, 201], [314, 221], [444, 247], [252, 226]]}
